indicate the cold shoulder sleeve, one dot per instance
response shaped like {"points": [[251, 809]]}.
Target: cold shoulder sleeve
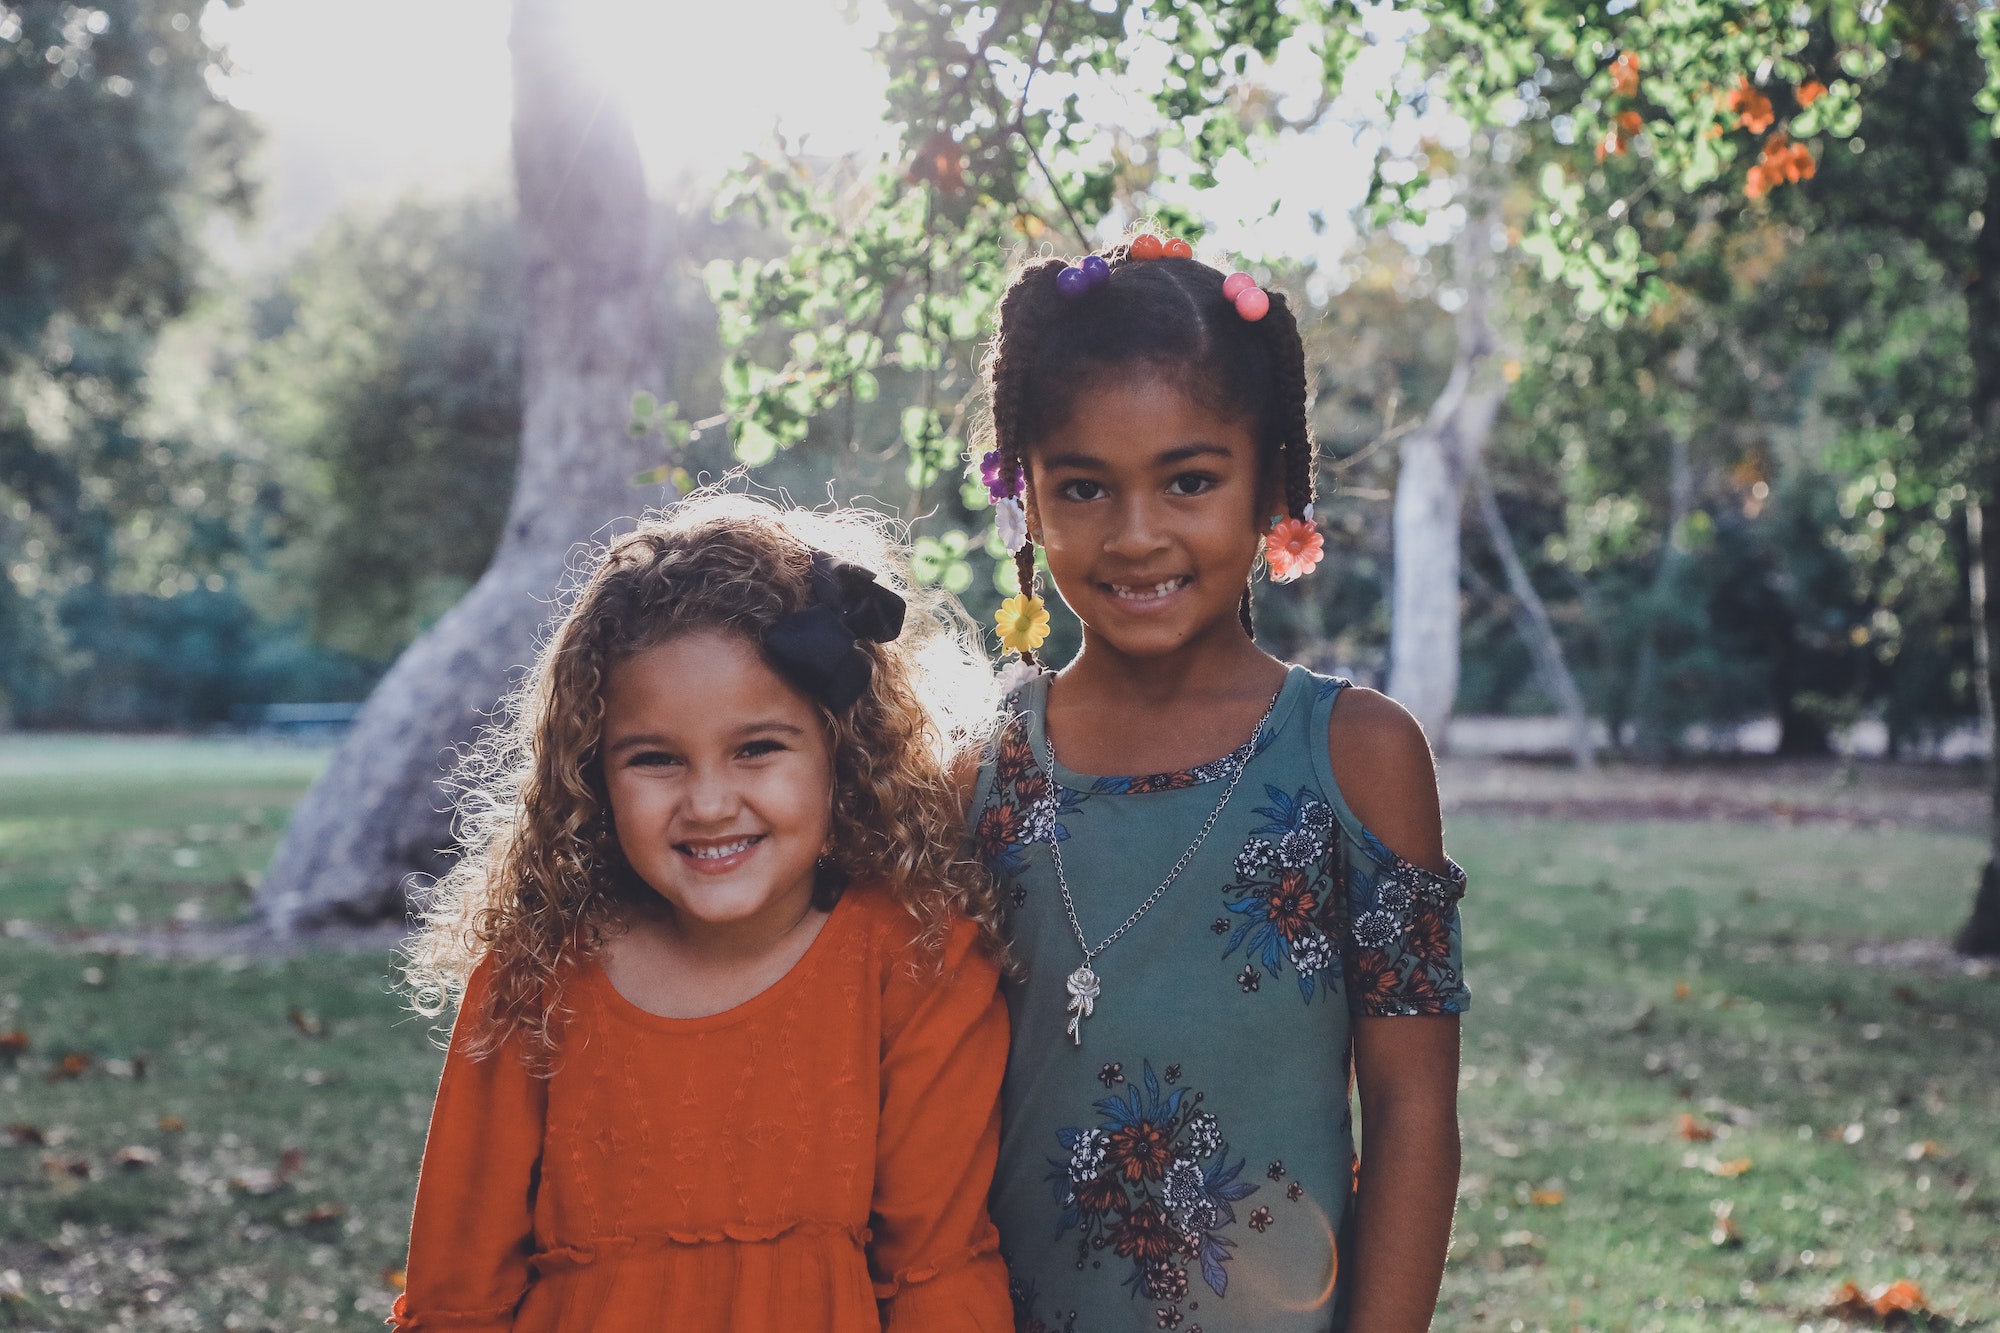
{"points": [[935, 1254], [473, 1228]]}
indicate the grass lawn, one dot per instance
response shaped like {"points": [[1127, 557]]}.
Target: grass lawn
{"points": [[1634, 983]]}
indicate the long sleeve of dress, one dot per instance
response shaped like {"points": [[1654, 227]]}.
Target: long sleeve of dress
{"points": [[473, 1228], [935, 1256]]}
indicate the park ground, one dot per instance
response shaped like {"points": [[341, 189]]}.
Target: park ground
{"points": [[1719, 1062]]}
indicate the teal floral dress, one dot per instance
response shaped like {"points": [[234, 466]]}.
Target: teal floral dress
{"points": [[1189, 1165]]}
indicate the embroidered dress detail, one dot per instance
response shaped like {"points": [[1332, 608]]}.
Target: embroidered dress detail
{"points": [[1195, 1167]]}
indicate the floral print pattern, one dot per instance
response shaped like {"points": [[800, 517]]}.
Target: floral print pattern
{"points": [[1405, 958], [1153, 1183], [1299, 904], [1284, 897], [1024, 807]]}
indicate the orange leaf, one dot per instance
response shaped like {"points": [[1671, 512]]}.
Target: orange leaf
{"points": [[1631, 122], [1811, 92], [1752, 108], [1904, 1295], [1625, 75], [395, 1279], [172, 1124], [1735, 1166], [1693, 1130], [13, 1042], [1682, 990], [1848, 1299], [74, 1065], [1546, 1198]]}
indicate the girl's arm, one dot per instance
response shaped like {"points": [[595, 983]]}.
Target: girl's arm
{"points": [[1406, 1068], [473, 1228], [935, 1253]]}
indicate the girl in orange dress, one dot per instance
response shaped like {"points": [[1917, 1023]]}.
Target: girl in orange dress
{"points": [[729, 1040]]}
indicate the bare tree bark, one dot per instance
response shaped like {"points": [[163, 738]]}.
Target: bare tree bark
{"points": [[1980, 935], [1430, 486], [1536, 628], [1653, 741], [378, 815]]}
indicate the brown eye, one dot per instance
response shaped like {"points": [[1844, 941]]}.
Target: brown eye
{"points": [[1083, 488], [1191, 483]]}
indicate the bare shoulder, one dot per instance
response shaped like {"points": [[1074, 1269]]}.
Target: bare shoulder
{"points": [[1385, 770]]}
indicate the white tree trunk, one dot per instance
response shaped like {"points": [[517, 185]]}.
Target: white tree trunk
{"points": [[378, 815], [1536, 629], [1430, 486]]}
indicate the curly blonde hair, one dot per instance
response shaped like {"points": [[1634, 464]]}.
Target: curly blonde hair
{"points": [[541, 881]]}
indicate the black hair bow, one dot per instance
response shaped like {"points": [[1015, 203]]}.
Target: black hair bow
{"points": [[815, 648]]}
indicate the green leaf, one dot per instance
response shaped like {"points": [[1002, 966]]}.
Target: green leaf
{"points": [[755, 446]]}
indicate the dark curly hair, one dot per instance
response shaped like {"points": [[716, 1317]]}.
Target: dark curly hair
{"points": [[542, 880], [1167, 313]]}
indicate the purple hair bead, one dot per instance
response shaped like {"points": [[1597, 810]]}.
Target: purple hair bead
{"points": [[1096, 270], [1072, 282]]}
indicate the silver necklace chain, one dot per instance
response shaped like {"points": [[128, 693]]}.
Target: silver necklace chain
{"points": [[1084, 984]]}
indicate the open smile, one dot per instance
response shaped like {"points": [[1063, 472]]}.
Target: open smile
{"points": [[1143, 596], [717, 856]]}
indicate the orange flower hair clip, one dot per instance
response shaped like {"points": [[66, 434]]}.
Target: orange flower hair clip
{"points": [[1293, 547]]}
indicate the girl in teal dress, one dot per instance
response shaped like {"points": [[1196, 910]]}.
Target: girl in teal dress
{"points": [[1224, 877]]}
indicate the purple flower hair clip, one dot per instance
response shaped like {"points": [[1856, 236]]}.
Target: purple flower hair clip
{"points": [[1001, 481]]}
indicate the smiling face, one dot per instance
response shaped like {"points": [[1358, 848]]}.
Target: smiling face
{"points": [[720, 776], [1148, 507]]}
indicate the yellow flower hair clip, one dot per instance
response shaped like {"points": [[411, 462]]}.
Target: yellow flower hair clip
{"points": [[1023, 623]]}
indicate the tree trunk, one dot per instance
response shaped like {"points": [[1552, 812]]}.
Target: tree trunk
{"points": [[1655, 738], [1536, 628], [1980, 935], [379, 814], [1430, 485], [1981, 932]]}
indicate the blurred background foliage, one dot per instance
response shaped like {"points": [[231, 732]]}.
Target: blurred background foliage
{"points": [[221, 489]]}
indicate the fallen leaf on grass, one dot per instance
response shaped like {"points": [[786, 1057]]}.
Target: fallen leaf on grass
{"points": [[1682, 990], [257, 1180], [13, 1043], [1883, 1302], [136, 1157], [306, 1021], [395, 1279], [27, 1136], [172, 1124], [73, 1065], [1693, 1130], [1723, 1235], [67, 1166], [1546, 1198], [1725, 1167], [325, 1212]]}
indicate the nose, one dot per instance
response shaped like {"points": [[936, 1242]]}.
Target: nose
{"points": [[1138, 532], [712, 797]]}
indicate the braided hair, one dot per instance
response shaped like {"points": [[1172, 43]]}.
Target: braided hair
{"points": [[1165, 312]]}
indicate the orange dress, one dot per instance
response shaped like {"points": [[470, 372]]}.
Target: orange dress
{"points": [[816, 1158]]}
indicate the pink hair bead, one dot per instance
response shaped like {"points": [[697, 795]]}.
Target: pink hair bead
{"points": [[1235, 283], [1252, 303]]}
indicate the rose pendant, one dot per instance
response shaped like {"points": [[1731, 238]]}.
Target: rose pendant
{"points": [[1083, 991]]}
